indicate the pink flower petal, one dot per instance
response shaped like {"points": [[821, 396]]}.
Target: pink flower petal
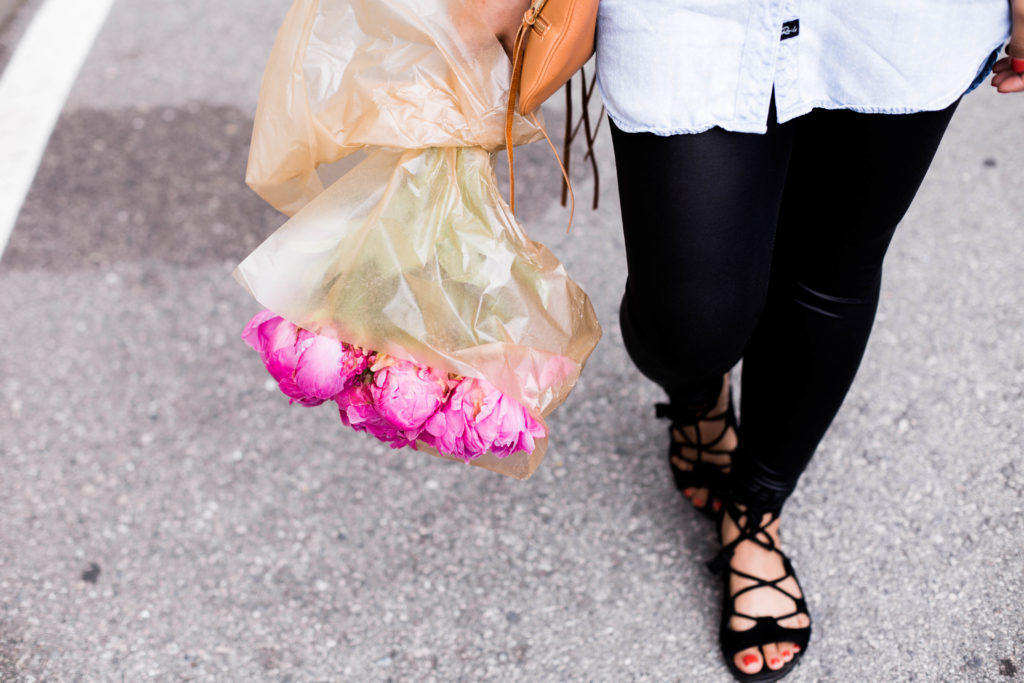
{"points": [[436, 424], [307, 401], [407, 395], [354, 362], [280, 352], [355, 406], [250, 335], [318, 371], [403, 402]]}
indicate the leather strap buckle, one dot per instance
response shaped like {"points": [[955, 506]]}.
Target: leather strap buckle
{"points": [[535, 9]]}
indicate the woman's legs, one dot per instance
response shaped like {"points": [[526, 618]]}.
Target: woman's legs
{"points": [[850, 181], [700, 215], [699, 262]]}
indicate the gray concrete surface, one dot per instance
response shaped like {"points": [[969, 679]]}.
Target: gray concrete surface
{"points": [[14, 18], [7, 9], [164, 515]]}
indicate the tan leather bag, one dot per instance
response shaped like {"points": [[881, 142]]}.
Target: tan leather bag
{"points": [[554, 41]]}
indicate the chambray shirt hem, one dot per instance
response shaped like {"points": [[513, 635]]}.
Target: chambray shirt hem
{"points": [[805, 107], [937, 104], [626, 127], [684, 85]]}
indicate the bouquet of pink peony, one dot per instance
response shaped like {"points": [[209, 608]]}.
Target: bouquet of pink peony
{"points": [[403, 288], [397, 401]]}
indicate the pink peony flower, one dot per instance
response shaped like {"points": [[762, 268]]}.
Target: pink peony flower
{"points": [[505, 425], [397, 401], [269, 334], [326, 366], [251, 334], [556, 369], [445, 428], [407, 394], [308, 368], [478, 418], [357, 410]]}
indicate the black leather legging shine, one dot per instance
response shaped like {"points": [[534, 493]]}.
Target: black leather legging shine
{"points": [[767, 248]]}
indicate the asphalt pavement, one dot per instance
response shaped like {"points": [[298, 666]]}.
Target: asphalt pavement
{"points": [[165, 515]]}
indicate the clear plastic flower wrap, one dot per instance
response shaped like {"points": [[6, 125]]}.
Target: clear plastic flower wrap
{"points": [[412, 254]]}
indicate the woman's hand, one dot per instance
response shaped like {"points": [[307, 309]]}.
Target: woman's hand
{"points": [[1006, 79], [504, 17]]}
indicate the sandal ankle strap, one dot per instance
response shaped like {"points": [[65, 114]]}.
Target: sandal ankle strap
{"points": [[753, 528], [691, 414]]}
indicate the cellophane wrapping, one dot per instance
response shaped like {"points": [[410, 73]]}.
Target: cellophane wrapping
{"points": [[413, 252]]}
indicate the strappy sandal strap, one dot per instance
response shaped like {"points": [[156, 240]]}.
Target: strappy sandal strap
{"points": [[683, 417], [766, 630], [690, 416], [753, 528], [702, 473], [753, 524]]}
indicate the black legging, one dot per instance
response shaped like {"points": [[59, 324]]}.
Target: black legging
{"points": [[767, 248]]}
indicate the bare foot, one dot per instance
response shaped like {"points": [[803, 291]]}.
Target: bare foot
{"points": [[765, 601], [719, 440]]}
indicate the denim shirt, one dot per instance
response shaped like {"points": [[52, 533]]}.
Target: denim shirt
{"points": [[683, 66]]}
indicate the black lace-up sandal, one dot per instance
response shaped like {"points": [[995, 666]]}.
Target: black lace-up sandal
{"points": [[766, 629], [704, 474]]}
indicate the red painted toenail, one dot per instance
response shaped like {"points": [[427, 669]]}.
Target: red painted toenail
{"points": [[717, 505], [688, 492], [775, 661], [786, 653], [699, 502], [750, 660], [796, 648]]}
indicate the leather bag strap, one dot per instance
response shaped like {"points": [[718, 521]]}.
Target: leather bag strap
{"points": [[518, 54]]}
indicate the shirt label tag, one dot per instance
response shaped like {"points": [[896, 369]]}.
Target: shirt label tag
{"points": [[791, 29]]}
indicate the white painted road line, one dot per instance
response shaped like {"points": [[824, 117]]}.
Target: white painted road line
{"points": [[33, 89]]}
